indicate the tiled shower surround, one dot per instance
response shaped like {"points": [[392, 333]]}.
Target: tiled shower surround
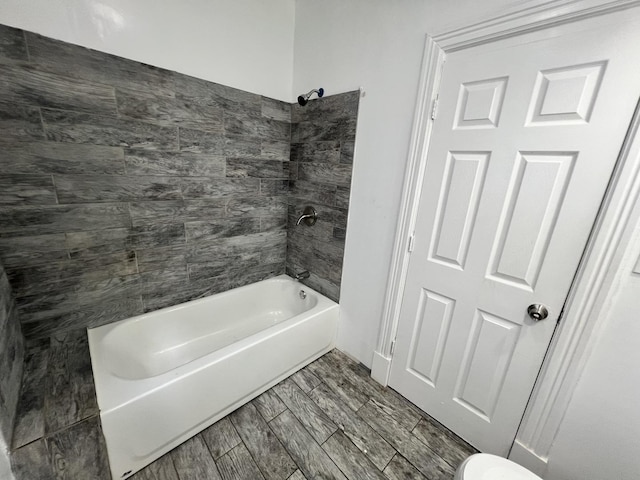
{"points": [[322, 138], [11, 359], [126, 188]]}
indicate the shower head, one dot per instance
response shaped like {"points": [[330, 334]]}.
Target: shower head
{"points": [[303, 99]]}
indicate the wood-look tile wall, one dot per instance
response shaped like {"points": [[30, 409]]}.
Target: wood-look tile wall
{"points": [[322, 140], [126, 188], [11, 359]]}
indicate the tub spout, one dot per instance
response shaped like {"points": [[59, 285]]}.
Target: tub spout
{"points": [[309, 216], [302, 275], [301, 218]]}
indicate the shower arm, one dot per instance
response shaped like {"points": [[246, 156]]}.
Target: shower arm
{"points": [[303, 99]]}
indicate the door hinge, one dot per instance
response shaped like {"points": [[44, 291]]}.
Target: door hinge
{"points": [[412, 242], [434, 108], [393, 347]]}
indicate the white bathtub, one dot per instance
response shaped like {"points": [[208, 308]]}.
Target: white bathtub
{"points": [[164, 376]]}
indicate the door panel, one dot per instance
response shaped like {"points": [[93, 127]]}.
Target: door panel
{"points": [[480, 103], [565, 95], [458, 206], [434, 317], [482, 373], [535, 194], [526, 138]]}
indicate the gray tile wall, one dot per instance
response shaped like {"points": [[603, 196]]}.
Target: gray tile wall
{"points": [[11, 357], [322, 139], [125, 188]]}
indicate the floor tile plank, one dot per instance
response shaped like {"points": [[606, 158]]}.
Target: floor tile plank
{"points": [[271, 457], [269, 405], [192, 460], [399, 468], [358, 431], [237, 464], [29, 423], [430, 464], [311, 459], [347, 392], [297, 475], [388, 401], [220, 437], [310, 415], [452, 449], [306, 380], [330, 420], [79, 451], [69, 389], [353, 463], [32, 462]]}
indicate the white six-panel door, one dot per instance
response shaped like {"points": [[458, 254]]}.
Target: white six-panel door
{"points": [[526, 138]]}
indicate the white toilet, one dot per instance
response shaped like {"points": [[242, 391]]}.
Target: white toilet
{"points": [[484, 466]]}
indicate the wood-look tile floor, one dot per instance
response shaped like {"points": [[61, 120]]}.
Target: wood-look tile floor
{"points": [[330, 420]]}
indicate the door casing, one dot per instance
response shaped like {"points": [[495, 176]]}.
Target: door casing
{"points": [[553, 380]]}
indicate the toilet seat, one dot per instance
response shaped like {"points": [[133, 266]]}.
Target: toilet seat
{"points": [[484, 466]]}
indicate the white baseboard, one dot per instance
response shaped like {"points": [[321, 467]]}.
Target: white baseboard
{"points": [[528, 459], [380, 368]]}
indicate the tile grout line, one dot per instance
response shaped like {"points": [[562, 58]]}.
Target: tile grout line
{"points": [[309, 433], [206, 445], [331, 459], [26, 45], [286, 409], [45, 410], [55, 189], [292, 413], [245, 444], [342, 429], [392, 443], [43, 125], [48, 435], [384, 437], [391, 459]]}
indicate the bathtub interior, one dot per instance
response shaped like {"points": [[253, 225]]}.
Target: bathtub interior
{"points": [[155, 343]]}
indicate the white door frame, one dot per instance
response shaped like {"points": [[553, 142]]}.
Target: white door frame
{"points": [[571, 340]]}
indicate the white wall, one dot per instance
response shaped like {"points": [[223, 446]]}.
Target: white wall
{"points": [[246, 44], [5, 462], [599, 436], [341, 45], [377, 44]]}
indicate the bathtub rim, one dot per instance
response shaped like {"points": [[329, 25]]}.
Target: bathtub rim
{"points": [[114, 392]]}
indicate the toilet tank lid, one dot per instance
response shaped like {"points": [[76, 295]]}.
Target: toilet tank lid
{"points": [[484, 466]]}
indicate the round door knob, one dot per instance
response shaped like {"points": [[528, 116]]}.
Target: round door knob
{"points": [[537, 312]]}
